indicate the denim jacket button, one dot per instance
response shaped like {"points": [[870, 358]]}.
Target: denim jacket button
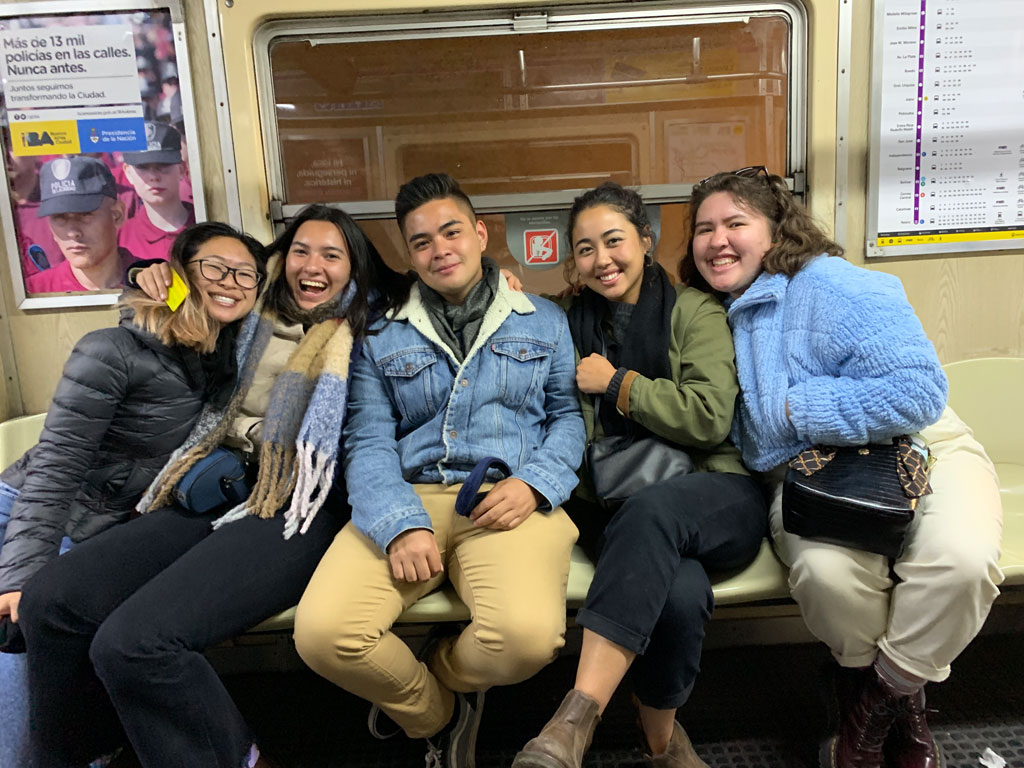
{"points": [[453, 434], [465, 382], [408, 367], [522, 352]]}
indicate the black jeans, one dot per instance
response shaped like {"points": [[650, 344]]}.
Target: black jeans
{"points": [[116, 630], [651, 592]]}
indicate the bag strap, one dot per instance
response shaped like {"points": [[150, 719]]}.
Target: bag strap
{"points": [[469, 495]]}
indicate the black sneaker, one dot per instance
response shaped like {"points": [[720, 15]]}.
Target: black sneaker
{"points": [[379, 724], [454, 746]]}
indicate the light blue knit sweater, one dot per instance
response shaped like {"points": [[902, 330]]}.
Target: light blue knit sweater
{"points": [[843, 346]]}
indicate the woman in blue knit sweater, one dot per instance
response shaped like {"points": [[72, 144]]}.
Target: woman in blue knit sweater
{"points": [[830, 353]]}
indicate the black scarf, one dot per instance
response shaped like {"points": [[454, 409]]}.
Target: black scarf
{"points": [[644, 348], [459, 324], [220, 368]]}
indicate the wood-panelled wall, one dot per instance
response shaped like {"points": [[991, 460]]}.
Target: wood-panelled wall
{"points": [[970, 305]]}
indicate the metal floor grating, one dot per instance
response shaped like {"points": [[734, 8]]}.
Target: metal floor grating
{"points": [[753, 707]]}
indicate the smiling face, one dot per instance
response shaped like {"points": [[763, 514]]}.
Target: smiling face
{"points": [[317, 266], [155, 183], [609, 253], [729, 243], [446, 246], [223, 299]]}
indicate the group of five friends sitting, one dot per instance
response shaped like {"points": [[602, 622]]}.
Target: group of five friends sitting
{"points": [[447, 414]]}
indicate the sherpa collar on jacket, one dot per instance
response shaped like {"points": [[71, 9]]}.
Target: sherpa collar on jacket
{"points": [[506, 301]]}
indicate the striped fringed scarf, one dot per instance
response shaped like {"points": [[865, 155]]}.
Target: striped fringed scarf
{"points": [[301, 432]]}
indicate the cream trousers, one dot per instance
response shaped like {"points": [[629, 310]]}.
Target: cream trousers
{"points": [[946, 578], [512, 581]]}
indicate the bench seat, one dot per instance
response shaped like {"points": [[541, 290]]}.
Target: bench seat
{"points": [[980, 391], [985, 393], [764, 579]]}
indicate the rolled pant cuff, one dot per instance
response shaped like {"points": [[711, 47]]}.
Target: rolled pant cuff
{"points": [[860, 660], [610, 630], [925, 671], [673, 701]]}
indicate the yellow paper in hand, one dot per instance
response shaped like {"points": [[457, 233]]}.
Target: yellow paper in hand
{"points": [[177, 292]]}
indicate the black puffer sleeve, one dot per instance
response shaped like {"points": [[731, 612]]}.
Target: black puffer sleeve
{"points": [[93, 385]]}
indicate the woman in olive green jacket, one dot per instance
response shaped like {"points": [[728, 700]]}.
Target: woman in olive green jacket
{"points": [[657, 360]]}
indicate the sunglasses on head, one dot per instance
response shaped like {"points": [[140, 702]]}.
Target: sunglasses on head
{"points": [[749, 172]]}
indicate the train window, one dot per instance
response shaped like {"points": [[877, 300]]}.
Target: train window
{"points": [[528, 109]]}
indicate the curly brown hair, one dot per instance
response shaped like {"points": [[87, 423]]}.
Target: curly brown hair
{"points": [[796, 237]]}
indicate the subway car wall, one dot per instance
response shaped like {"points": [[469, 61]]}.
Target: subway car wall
{"points": [[970, 304]]}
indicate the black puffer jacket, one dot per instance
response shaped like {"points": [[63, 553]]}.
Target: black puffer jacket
{"points": [[123, 404]]}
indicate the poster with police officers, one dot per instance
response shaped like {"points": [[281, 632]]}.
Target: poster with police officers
{"points": [[96, 149]]}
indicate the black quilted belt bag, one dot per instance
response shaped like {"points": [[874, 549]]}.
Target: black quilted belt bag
{"points": [[856, 496]]}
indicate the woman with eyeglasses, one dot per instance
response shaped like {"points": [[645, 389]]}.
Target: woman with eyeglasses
{"points": [[116, 629], [128, 397], [832, 354], [655, 361]]}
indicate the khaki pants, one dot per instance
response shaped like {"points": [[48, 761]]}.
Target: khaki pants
{"points": [[947, 576], [513, 582]]}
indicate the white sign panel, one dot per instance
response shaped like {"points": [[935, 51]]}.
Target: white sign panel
{"points": [[58, 67], [947, 151]]}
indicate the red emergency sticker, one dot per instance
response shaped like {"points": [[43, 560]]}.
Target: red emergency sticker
{"points": [[541, 246]]}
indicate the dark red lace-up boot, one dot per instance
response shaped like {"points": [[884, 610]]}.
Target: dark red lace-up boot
{"points": [[910, 743], [863, 728]]}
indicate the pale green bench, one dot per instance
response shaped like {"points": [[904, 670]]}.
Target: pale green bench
{"points": [[17, 436], [764, 579], [987, 394]]}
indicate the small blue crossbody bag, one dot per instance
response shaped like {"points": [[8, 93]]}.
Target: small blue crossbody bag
{"points": [[213, 481]]}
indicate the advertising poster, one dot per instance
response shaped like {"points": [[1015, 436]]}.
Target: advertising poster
{"points": [[96, 148]]}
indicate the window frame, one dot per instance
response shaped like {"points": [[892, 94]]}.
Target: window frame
{"points": [[458, 24]]}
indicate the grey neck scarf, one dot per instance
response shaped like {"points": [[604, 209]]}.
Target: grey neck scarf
{"points": [[459, 324]]}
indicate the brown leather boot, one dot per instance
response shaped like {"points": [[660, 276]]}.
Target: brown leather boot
{"points": [[566, 737], [863, 728], [910, 743], [679, 754]]}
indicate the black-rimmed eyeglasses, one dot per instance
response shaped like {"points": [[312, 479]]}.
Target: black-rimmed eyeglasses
{"points": [[214, 271], [749, 172]]}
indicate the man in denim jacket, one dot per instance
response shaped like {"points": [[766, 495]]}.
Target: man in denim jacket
{"points": [[468, 372]]}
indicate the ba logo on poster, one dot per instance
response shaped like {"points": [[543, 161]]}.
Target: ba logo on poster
{"points": [[36, 139]]}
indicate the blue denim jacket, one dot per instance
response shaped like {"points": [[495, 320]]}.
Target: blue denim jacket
{"points": [[417, 416]]}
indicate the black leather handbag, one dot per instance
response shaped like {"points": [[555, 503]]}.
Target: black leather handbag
{"points": [[215, 480], [857, 496], [621, 466]]}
